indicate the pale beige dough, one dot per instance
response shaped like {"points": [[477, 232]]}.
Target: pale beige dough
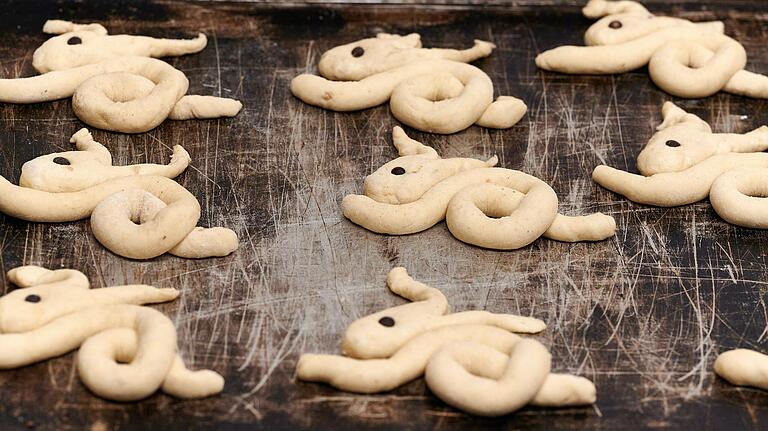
{"points": [[599, 8], [132, 214], [392, 347], [95, 45], [116, 205], [128, 351], [684, 59], [684, 162], [131, 222], [484, 381], [482, 205], [113, 83], [743, 367], [91, 164], [433, 90]]}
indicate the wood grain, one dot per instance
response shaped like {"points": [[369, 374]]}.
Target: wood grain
{"points": [[643, 315]]}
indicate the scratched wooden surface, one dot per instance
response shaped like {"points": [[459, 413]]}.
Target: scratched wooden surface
{"points": [[643, 315]]}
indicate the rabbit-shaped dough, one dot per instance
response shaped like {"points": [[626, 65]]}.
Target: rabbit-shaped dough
{"points": [[392, 347], [127, 352]]}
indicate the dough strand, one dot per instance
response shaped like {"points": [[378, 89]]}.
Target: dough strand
{"points": [[743, 367]]}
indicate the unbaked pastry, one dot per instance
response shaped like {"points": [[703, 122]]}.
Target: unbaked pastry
{"points": [[684, 59], [113, 83], [127, 352], [684, 162], [472, 360], [134, 213], [489, 207], [78, 45], [91, 164], [433, 90], [743, 367]]}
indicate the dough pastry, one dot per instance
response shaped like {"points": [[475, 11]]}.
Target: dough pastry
{"points": [[433, 90], [128, 351], [684, 59], [482, 205], [743, 367], [72, 171], [472, 359], [81, 44], [133, 214], [684, 162], [112, 82]]}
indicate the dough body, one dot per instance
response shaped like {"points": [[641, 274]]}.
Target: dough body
{"points": [[113, 81], [482, 205], [432, 90], [127, 352], [743, 367], [462, 355], [684, 162], [136, 211], [685, 59], [90, 165]]}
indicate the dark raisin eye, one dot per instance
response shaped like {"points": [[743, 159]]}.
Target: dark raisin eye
{"points": [[387, 321], [32, 298], [398, 171], [672, 143], [61, 161], [358, 51], [74, 40], [615, 25]]}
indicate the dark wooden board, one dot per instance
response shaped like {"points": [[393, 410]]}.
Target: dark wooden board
{"points": [[643, 314]]}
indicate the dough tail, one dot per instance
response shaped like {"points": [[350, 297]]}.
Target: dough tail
{"points": [[504, 113], [743, 367], [184, 383], [175, 47], [203, 107], [207, 242], [749, 84], [594, 227], [561, 390], [481, 49]]}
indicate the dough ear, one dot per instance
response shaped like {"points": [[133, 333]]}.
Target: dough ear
{"points": [[412, 40], [411, 147], [31, 276], [57, 26], [400, 283], [600, 8], [673, 115], [83, 141]]}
